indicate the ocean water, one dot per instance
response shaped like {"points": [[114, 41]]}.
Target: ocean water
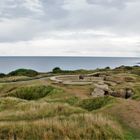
{"points": [[45, 64]]}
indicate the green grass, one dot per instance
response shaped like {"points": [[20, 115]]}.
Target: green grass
{"points": [[9, 103], [136, 89], [69, 100], [34, 92], [96, 103]]}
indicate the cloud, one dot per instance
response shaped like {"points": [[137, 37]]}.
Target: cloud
{"points": [[22, 20], [18, 29], [112, 3], [19, 8], [59, 47], [100, 24]]}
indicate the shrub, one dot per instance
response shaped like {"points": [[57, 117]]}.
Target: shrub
{"points": [[2, 75], [23, 72], [56, 70]]}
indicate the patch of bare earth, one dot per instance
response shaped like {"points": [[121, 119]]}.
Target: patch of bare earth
{"points": [[81, 92]]}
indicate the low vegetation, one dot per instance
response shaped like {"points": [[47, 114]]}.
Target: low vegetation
{"points": [[58, 70], [33, 92], [40, 109], [20, 75], [69, 100], [96, 103], [136, 89], [23, 72], [2, 75], [77, 127]]}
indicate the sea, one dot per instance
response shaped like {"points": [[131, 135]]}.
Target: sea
{"points": [[46, 64]]}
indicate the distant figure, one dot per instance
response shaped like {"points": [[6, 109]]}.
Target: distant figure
{"points": [[81, 77]]}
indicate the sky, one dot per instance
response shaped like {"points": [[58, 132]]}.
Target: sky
{"points": [[70, 28]]}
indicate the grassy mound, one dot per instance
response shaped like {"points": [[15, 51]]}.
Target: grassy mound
{"points": [[96, 103], [34, 92], [9, 103], [23, 72], [37, 110], [87, 126]]}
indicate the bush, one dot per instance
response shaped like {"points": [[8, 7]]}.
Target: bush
{"points": [[2, 75], [56, 70], [23, 72]]}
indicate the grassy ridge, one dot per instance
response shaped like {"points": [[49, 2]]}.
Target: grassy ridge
{"points": [[23, 72]]}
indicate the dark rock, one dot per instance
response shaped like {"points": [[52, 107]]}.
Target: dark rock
{"points": [[129, 93], [123, 93], [81, 77]]}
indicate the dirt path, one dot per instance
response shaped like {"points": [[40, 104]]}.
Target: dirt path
{"points": [[128, 113], [25, 81]]}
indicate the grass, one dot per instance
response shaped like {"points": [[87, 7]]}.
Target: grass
{"points": [[9, 103], [14, 79], [69, 100], [40, 110], [80, 127], [34, 92], [51, 118], [136, 89], [33, 110], [96, 103]]}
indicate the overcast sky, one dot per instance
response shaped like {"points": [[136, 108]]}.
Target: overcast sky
{"points": [[70, 27]]}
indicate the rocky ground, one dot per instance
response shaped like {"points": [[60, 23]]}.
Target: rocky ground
{"points": [[103, 83]]}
